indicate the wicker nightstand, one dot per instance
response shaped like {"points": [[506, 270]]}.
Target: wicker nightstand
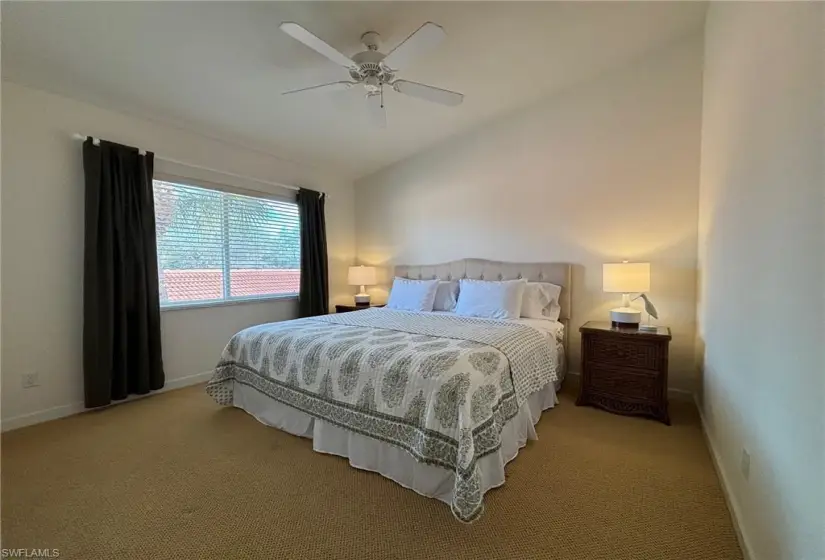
{"points": [[347, 308], [625, 370]]}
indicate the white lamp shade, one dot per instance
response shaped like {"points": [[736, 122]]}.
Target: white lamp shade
{"points": [[626, 278], [361, 276]]}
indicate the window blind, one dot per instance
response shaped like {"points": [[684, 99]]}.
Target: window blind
{"points": [[217, 246]]}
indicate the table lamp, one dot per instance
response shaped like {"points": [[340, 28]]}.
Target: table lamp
{"points": [[626, 278], [361, 276]]}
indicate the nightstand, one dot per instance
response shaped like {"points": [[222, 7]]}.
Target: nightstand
{"points": [[347, 308], [625, 370]]}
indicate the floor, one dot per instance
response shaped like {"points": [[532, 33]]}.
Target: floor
{"points": [[176, 476]]}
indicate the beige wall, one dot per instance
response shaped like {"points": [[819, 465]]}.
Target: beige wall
{"points": [[762, 252], [604, 171], [42, 245]]}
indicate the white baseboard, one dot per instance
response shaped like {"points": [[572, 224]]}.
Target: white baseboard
{"points": [[62, 411], [40, 416], [733, 504], [675, 394]]}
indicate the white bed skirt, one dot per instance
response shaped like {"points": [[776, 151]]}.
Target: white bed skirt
{"points": [[392, 462]]}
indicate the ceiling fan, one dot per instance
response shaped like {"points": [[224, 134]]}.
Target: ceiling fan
{"points": [[375, 70]]}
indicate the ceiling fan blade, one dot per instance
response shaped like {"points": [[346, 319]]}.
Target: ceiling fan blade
{"points": [[375, 106], [424, 39], [429, 93], [299, 33], [333, 86]]}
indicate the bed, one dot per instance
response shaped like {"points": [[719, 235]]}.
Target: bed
{"points": [[437, 402]]}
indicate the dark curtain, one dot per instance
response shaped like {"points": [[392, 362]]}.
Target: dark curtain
{"points": [[121, 307], [313, 298]]}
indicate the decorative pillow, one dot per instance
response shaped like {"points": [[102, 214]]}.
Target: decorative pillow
{"points": [[412, 295], [446, 296], [493, 300], [541, 301]]}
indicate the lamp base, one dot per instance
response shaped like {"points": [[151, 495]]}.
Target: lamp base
{"points": [[362, 300], [626, 317]]}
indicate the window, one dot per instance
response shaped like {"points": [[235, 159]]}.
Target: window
{"points": [[215, 246]]}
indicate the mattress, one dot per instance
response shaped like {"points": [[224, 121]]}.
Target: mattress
{"points": [[554, 330]]}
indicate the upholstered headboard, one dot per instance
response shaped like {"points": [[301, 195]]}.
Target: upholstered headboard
{"points": [[480, 269]]}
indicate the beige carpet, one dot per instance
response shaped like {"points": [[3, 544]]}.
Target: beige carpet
{"points": [[176, 476]]}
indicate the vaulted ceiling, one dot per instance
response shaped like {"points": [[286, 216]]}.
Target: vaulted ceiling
{"points": [[219, 67]]}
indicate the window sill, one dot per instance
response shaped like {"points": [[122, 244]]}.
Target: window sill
{"points": [[221, 303]]}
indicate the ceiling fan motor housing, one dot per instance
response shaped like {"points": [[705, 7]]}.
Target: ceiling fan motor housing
{"points": [[369, 66]]}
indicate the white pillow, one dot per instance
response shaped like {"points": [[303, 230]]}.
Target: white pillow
{"points": [[446, 296], [553, 311], [541, 301], [493, 300], [412, 295]]}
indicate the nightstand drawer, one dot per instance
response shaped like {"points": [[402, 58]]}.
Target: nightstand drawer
{"points": [[624, 383], [629, 353]]}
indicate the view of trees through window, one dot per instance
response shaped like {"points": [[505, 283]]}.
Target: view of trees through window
{"points": [[214, 245]]}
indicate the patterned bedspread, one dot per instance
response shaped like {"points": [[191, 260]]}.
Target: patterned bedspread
{"points": [[439, 386]]}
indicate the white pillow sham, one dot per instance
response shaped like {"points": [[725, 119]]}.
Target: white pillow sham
{"points": [[446, 296], [541, 301], [412, 295], [553, 311], [492, 300]]}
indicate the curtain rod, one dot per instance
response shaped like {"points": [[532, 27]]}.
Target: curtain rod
{"points": [[96, 142]]}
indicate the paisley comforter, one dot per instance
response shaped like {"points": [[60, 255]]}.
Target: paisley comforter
{"points": [[439, 386]]}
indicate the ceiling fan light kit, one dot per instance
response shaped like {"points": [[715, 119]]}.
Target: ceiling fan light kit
{"points": [[375, 70]]}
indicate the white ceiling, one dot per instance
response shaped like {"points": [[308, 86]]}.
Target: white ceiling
{"points": [[219, 67]]}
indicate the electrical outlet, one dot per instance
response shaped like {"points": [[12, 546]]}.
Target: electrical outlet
{"points": [[31, 379], [745, 464]]}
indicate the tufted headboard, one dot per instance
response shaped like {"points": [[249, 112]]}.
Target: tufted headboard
{"points": [[480, 269]]}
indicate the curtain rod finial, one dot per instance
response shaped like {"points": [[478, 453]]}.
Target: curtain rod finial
{"points": [[95, 141]]}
